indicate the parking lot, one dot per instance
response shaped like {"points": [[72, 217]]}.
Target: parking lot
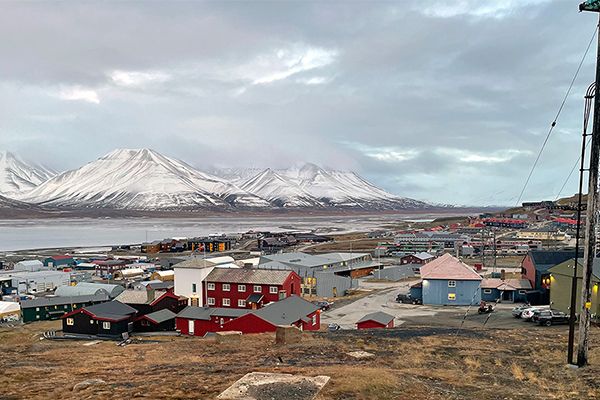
{"points": [[383, 299]]}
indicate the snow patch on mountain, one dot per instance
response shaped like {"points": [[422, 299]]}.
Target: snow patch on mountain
{"points": [[18, 176], [140, 180]]}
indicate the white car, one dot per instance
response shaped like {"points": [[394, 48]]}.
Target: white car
{"points": [[528, 312]]}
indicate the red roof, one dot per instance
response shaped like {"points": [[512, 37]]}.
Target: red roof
{"points": [[61, 257], [566, 221], [505, 220], [449, 267]]}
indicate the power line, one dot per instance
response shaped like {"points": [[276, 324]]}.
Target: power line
{"points": [[562, 104]]}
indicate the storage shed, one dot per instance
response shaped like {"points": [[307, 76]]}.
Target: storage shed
{"points": [[89, 288], [376, 320], [162, 320]]}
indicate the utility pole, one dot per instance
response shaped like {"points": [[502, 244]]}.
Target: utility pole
{"points": [[591, 213], [573, 305]]}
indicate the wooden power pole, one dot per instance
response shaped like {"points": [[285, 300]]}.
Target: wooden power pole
{"points": [[589, 251]]}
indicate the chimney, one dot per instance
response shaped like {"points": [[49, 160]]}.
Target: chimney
{"points": [[503, 274], [151, 293]]}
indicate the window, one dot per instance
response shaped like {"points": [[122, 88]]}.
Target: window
{"points": [[106, 325], [314, 320], [211, 301], [452, 296], [221, 321], [257, 289], [241, 288], [65, 306], [487, 291], [70, 321], [37, 309], [193, 288], [91, 322], [226, 287], [273, 289], [451, 283], [521, 292], [241, 303], [211, 286], [226, 303]]}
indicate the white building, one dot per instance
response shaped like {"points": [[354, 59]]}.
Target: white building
{"points": [[189, 276], [39, 281], [29, 265]]}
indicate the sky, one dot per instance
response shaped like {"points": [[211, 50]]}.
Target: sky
{"points": [[444, 101]]}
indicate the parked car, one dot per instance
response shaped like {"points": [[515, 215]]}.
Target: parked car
{"points": [[407, 299], [333, 327], [518, 310], [323, 305], [551, 317], [528, 312]]}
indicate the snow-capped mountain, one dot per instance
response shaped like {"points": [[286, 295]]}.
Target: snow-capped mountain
{"points": [[279, 190], [18, 176], [140, 180], [312, 186]]}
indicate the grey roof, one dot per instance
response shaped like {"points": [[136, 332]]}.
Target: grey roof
{"points": [[55, 301], [204, 313], [161, 285], [138, 296], [286, 311], [195, 262], [111, 310], [161, 315], [249, 276], [68, 290], [544, 259], [113, 290], [379, 316]]}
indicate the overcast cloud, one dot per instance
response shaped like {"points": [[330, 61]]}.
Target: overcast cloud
{"points": [[446, 101]]}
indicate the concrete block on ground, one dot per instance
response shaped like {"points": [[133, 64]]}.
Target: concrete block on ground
{"points": [[228, 336], [286, 334], [262, 385]]}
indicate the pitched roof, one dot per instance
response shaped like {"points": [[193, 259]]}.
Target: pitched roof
{"points": [[448, 267], [195, 262], [544, 259], [286, 311], [250, 276], [160, 316], [507, 284], [379, 316], [68, 290], [204, 313], [55, 301], [423, 255], [114, 310], [138, 296]]}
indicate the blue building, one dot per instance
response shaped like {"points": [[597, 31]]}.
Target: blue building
{"points": [[449, 281], [59, 261], [509, 290]]}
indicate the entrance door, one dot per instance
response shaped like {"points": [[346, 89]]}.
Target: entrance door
{"points": [[191, 327], [507, 295]]}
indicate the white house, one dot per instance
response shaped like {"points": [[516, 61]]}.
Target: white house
{"points": [[189, 276]]}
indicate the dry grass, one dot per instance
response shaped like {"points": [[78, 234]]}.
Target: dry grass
{"points": [[524, 364]]}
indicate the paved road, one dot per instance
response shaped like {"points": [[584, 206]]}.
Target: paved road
{"points": [[382, 299]]}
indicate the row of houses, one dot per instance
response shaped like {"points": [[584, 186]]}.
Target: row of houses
{"points": [[203, 245]]}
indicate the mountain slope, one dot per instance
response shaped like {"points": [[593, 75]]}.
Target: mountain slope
{"points": [[18, 176], [140, 180], [279, 191]]}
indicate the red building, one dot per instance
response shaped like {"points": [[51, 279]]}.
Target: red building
{"points": [[198, 321], [248, 288], [293, 310], [419, 258], [376, 320], [109, 267]]}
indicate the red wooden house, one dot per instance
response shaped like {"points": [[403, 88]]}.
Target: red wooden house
{"points": [[376, 320], [248, 288], [293, 310], [198, 321]]}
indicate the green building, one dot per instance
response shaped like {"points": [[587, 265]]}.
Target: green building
{"points": [[561, 276], [47, 308]]}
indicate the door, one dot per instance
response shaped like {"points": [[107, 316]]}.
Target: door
{"points": [[191, 327]]}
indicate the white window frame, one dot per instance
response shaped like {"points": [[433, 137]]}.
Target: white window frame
{"points": [[257, 287], [210, 286], [314, 320], [70, 321], [226, 302], [487, 291], [273, 289], [226, 287], [241, 288], [241, 303], [451, 283], [105, 325], [211, 301]]}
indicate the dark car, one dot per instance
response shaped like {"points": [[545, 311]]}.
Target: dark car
{"points": [[407, 299], [323, 305], [551, 317]]}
